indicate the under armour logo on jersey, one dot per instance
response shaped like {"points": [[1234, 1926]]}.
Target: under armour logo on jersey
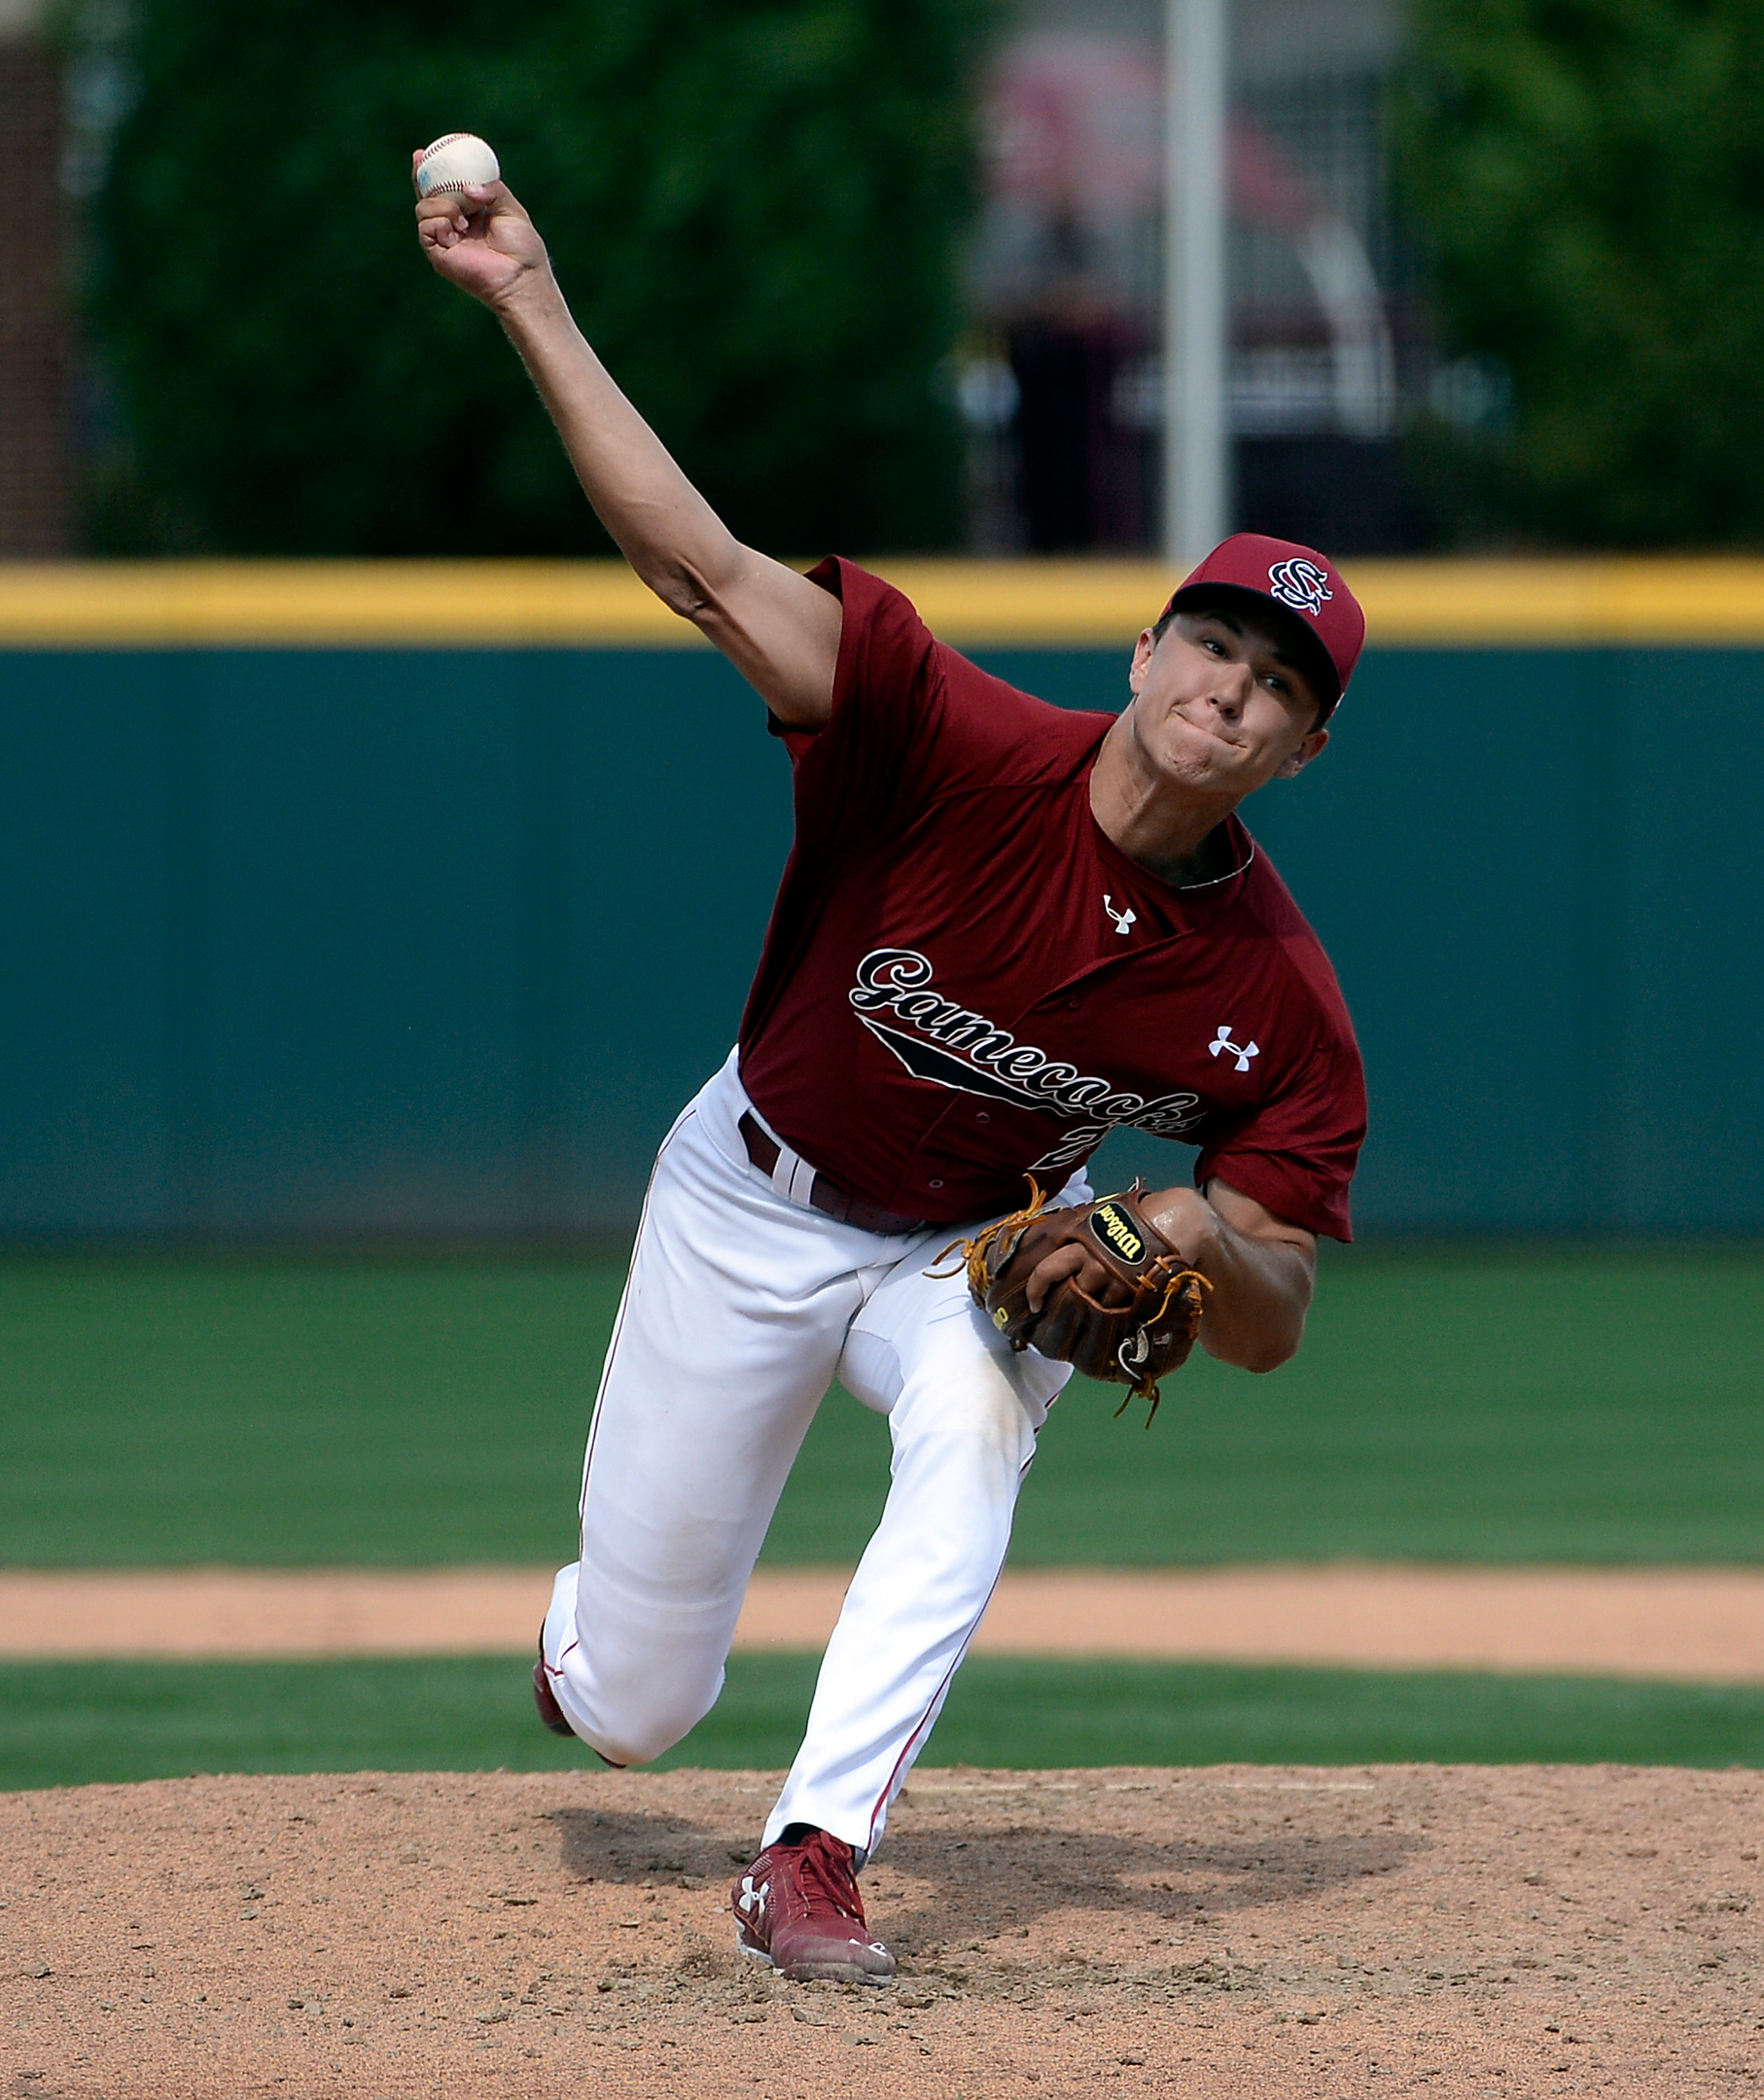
{"points": [[1124, 921], [1301, 585], [1222, 1045]]}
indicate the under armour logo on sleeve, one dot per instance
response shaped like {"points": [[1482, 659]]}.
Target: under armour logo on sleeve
{"points": [[1222, 1045]]}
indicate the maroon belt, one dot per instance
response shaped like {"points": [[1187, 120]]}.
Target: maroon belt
{"points": [[826, 1195]]}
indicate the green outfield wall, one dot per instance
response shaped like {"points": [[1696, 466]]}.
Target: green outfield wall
{"points": [[417, 899]]}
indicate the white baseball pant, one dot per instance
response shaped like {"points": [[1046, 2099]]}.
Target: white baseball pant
{"points": [[741, 1308]]}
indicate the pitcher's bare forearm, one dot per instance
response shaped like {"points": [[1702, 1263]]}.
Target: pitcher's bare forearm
{"points": [[666, 531], [1262, 1272], [778, 629]]}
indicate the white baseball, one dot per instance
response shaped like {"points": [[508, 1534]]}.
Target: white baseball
{"points": [[453, 161]]}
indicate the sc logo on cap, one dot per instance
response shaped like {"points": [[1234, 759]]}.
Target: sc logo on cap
{"points": [[1301, 585]]}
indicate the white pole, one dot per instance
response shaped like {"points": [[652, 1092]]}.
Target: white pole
{"points": [[1197, 438]]}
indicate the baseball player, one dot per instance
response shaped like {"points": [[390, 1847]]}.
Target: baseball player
{"points": [[1005, 929]]}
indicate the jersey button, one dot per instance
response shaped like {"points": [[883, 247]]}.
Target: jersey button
{"points": [[980, 1116], [1073, 1003], [935, 1182]]}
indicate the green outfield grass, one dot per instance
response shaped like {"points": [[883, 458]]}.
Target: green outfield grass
{"points": [[1527, 1404], [64, 1724]]}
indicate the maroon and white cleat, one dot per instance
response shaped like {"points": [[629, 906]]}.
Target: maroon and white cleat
{"points": [[798, 1909]]}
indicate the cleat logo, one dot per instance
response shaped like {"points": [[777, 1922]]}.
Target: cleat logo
{"points": [[1300, 584], [1222, 1045], [753, 1899]]}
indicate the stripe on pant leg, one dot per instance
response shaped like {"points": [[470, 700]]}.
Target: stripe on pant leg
{"points": [[922, 1727]]}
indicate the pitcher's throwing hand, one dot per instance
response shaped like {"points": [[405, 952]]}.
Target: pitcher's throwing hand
{"points": [[479, 237]]}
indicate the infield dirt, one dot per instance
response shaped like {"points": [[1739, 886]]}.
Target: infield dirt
{"points": [[1241, 1933]]}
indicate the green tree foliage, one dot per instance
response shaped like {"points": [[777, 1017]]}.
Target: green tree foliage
{"points": [[754, 208], [1592, 173]]}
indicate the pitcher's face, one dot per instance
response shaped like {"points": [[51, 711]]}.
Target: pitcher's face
{"points": [[1219, 704]]}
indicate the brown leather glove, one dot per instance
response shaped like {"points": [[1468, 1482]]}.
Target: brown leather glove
{"points": [[1140, 1327]]}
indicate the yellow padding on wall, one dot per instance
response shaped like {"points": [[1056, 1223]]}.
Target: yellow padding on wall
{"points": [[318, 605], [1025, 603]]}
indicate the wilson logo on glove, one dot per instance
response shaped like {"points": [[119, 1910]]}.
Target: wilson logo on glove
{"points": [[1115, 1229]]}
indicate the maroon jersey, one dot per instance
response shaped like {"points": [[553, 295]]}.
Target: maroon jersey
{"points": [[965, 980]]}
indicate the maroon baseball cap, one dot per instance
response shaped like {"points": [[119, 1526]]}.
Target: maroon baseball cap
{"points": [[1305, 584]]}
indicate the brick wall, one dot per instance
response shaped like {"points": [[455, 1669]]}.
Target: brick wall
{"points": [[35, 513]]}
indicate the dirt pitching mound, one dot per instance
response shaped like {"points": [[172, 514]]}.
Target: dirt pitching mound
{"points": [[1242, 1931]]}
